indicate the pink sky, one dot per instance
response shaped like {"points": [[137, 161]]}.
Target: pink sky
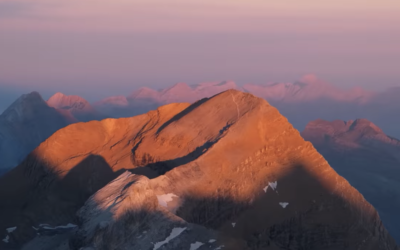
{"points": [[119, 45]]}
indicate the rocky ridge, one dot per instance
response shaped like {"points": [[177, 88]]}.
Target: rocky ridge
{"points": [[230, 167]]}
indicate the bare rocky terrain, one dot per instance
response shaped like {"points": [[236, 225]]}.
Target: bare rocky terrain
{"points": [[227, 172]]}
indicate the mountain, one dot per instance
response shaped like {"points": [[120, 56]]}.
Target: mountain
{"points": [[368, 158], [24, 125], [227, 172], [75, 105], [30, 120], [146, 99], [301, 101]]}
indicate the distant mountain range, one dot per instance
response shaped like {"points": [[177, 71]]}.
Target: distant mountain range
{"points": [[304, 100], [227, 172], [369, 159]]}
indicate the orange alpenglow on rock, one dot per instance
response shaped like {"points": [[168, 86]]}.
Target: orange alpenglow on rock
{"points": [[197, 178]]}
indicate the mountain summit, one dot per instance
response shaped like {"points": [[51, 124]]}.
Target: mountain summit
{"points": [[75, 105], [146, 99], [225, 172]]}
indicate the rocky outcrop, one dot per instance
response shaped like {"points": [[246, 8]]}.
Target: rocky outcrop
{"points": [[229, 166], [363, 154], [128, 207]]}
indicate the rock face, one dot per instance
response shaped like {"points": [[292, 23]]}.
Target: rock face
{"points": [[75, 105], [229, 168], [360, 151], [24, 125]]}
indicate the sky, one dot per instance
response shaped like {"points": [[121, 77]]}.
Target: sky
{"points": [[98, 48]]}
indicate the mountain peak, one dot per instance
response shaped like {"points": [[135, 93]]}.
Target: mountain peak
{"points": [[215, 165], [349, 132], [177, 88], [362, 124], [24, 107], [74, 103], [310, 78]]}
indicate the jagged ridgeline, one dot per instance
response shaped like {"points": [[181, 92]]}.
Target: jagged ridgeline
{"points": [[227, 172]]}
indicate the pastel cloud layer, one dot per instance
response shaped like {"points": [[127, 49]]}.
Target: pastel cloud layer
{"points": [[47, 43]]}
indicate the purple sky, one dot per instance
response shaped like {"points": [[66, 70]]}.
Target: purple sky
{"points": [[101, 48]]}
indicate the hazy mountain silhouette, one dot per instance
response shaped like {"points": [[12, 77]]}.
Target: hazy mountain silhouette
{"points": [[229, 167], [24, 125], [370, 160], [30, 120]]}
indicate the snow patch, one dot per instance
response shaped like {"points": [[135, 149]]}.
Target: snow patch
{"points": [[233, 224], [11, 229], [196, 245], [69, 225], [211, 241], [220, 247], [48, 227], [265, 189], [174, 233], [273, 185], [283, 204], [6, 239], [165, 198]]}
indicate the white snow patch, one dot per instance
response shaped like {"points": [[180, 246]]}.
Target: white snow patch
{"points": [[265, 189], [165, 198], [220, 247], [196, 245], [11, 229], [273, 185], [233, 224], [211, 241], [174, 233], [6, 239], [283, 204]]}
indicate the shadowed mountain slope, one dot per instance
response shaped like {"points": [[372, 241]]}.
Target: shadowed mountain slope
{"points": [[229, 168], [24, 125], [30, 120], [370, 160]]}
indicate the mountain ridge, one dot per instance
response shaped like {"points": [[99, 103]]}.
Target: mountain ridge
{"points": [[198, 153]]}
